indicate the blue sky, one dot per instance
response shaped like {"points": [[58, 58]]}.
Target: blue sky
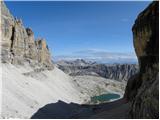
{"points": [[71, 27]]}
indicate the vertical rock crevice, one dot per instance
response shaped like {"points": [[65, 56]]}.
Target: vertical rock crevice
{"points": [[12, 39], [11, 46]]}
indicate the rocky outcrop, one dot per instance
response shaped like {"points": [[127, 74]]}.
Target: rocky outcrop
{"points": [[19, 45], [143, 89], [43, 52], [120, 72], [32, 51]]}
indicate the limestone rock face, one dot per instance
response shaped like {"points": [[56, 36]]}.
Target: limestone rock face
{"points": [[43, 53], [7, 23], [143, 89], [32, 50], [19, 45]]}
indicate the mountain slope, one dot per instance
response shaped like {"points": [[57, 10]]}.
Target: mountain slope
{"points": [[23, 95]]}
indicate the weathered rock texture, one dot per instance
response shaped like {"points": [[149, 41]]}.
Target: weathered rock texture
{"points": [[19, 45], [143, 89], [120, 72]]}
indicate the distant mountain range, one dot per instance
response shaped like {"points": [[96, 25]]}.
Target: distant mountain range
{"points": [[120, 72]]}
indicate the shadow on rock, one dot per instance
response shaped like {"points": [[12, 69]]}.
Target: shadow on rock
{"points": [[62, 110]]}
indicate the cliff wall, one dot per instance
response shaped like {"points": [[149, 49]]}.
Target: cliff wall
{"points": [[19, 45], [143, 88]]}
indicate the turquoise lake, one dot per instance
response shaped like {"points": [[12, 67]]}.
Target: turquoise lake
{"points": [[104, 97]]}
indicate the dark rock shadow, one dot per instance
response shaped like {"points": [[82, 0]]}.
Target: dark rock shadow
{"points": [[62, 110]]}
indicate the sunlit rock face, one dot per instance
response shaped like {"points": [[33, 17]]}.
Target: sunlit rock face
{"points": [[32, 51], [7, 23], [143, 88], [19, 45], [43, 53]]}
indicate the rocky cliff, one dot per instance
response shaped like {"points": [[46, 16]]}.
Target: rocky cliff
{"points": [[143, 89], [120, 72], [19, 45]]}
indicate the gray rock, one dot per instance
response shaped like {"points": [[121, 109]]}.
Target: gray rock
{"points": [[19, 45], [143, 89]]}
